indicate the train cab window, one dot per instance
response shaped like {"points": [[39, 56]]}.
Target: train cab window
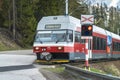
{"points": [[77, 36], [70, 36], [51, 36], [82, 41]]}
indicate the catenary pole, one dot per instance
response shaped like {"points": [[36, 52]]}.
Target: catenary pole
{"points": [[66, 12], [14, 19]]}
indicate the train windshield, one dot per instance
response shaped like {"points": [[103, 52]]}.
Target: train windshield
{"points": [[54, 36]]}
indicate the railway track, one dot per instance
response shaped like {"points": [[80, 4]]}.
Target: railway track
{"points": [[92, 61], [88, 75], [75, 70]]}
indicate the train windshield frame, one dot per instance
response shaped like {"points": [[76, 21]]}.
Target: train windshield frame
{"points": [[56, 36]]}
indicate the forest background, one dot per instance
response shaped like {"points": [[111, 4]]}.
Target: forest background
{"points": [[20, 17]]}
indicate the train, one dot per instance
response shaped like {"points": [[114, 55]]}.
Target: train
{"points": [[58, 39]]}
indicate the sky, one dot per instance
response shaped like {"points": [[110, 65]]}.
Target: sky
{"points": [[110, 3], [114, 3]]}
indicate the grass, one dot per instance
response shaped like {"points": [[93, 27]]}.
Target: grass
{"points": [[6, 41], [56, 70], [107, 69], [4, 47], [60, 71], [113, 70], [7, 44], [97, 70]]}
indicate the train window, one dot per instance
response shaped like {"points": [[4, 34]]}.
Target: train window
{"points": [[98, 47], [94, 42], [104, 44], [99, 43], [77, 36], [115, 46], [119, 46]]}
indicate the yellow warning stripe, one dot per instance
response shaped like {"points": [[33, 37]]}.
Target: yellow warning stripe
{"points": [[58, 61]]}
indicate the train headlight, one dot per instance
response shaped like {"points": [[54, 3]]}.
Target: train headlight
{"points": [[44, 49], [59, 48], [36, 48]]}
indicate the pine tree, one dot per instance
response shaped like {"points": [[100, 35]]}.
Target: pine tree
{"points": [[78, 8], [26, 21], [6, 13], [49, 8]]}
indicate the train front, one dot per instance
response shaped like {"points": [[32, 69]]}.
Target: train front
{"points": [[53, 41]]}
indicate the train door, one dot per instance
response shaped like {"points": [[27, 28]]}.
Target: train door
{"points": [[109, 46]]}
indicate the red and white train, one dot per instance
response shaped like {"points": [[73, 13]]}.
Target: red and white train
{"points": [[58, 39]]}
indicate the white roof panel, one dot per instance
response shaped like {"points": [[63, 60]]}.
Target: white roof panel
{"points": [[69, 22]]}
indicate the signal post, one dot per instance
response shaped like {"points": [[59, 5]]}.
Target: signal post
{"points": [[86, 55], [86, 33]]}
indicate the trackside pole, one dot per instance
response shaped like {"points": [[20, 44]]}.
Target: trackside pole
{"points": [[86, 55], [87, 22]]}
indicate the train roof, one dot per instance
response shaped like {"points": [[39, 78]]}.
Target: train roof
{"points": [[105, 32], [69, 22]]}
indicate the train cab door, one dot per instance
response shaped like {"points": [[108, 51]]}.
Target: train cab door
{"points": [[79, 48], [77, 42]]}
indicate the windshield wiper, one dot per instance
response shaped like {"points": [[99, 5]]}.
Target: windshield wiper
{"points": [[63, 37], [40, 41]]}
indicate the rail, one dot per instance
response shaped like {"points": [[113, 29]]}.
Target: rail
{"points": [[88, 75]]}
